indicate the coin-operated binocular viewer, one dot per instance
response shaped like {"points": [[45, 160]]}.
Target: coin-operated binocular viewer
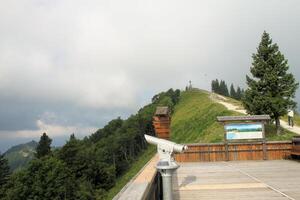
{"points": [[166, 165]]}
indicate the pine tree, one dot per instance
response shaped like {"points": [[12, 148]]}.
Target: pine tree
{"points": [[226, 90], [43, 147], [223, 88], [215, 87], [232, 92], [69, 154], [239, 93], [4, 170], [242, 93], [272, 89]]}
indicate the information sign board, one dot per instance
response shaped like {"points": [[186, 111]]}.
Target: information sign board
{"points": [[244, 131]]}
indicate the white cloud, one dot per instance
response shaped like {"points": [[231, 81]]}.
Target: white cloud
{"points": [[52, 130]]}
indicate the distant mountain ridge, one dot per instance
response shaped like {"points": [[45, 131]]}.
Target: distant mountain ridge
{"points": [[19, 156]]}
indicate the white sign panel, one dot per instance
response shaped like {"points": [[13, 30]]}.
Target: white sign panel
{"points": [[244, 131]]}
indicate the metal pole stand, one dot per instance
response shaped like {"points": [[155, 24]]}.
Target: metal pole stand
{"points": [[166, 165], [166, 168]]}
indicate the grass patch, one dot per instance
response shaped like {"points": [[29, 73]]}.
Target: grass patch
{"points": [[132, 171], [194, 119], [272, 136]]}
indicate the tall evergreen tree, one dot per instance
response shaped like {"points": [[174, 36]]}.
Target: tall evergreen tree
{"points": [[218, 89], [272, 89], [69, 154], [212, 85], [4, 170], [232, 92], [239, 93], [223, 88], [242, 93], [43, 147], [215, 86]]}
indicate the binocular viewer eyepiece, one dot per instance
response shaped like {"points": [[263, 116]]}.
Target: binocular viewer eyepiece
{"points": [[165, 147]]}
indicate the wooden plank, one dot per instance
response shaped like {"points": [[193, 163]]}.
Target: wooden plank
{"points": [[245, 180], [243, 118]]}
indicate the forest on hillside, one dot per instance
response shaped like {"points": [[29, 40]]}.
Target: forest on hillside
{"points": [[20, 155], [220, 87], [84, 169]]}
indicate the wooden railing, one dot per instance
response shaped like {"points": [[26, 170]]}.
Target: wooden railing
{"points": [[235, 151]]}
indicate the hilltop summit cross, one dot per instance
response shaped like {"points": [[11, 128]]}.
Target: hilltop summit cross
{"points": [[190, 85]]}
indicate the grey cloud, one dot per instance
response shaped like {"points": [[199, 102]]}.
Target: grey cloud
{"points": [[19, 115]]}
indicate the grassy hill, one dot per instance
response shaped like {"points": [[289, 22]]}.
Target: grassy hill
{"points": [[19, 156], [194, 120]]}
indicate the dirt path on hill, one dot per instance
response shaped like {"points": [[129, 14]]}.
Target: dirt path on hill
{"points": [[223, 100]]}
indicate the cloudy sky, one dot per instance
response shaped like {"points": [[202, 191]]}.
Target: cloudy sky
{"points": [[70, 66]]}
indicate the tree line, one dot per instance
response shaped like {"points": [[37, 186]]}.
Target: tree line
{"points": [[84, 169], [220, 87]]}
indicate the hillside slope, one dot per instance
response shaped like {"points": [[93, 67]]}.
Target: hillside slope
{"points": [[20, 155], [195, 120]]}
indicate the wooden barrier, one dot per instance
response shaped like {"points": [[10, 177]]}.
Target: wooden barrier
{"points": [[236, 151]]}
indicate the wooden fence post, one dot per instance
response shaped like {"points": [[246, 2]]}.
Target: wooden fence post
{"points": [[226, 144], [264, 145]]}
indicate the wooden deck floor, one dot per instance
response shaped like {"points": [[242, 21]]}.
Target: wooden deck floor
{"points": [[276, 180]]}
